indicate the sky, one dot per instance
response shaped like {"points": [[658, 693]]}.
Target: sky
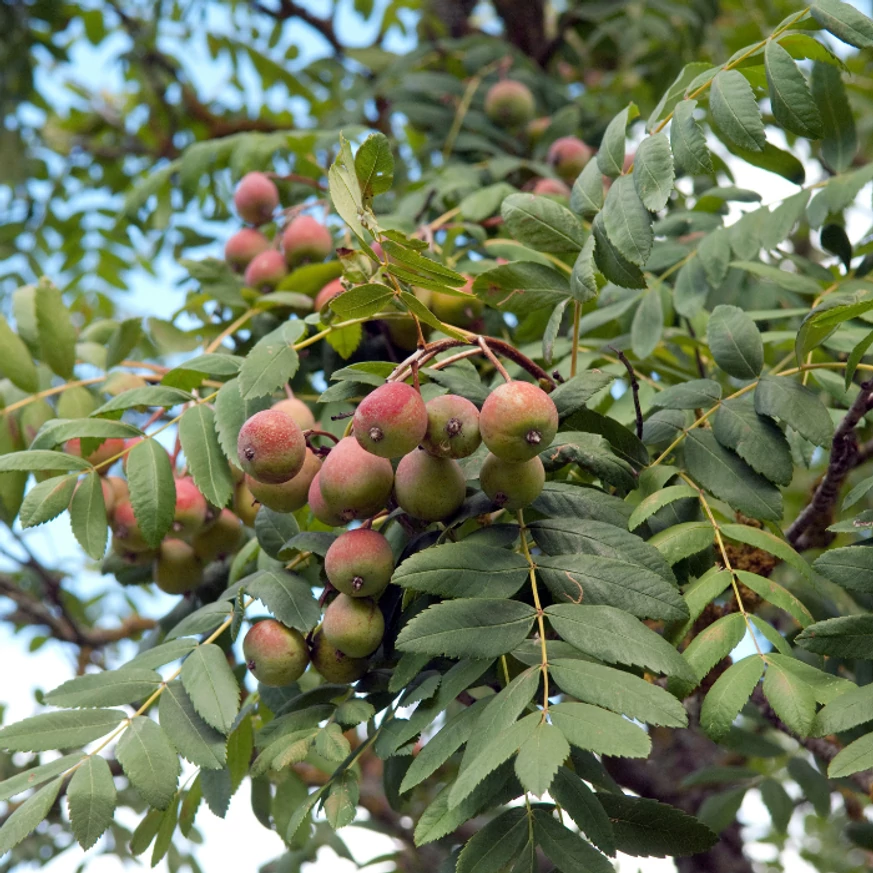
{"points": [[239, 841]]}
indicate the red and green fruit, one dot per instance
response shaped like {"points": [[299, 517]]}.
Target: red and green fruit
{"points": [[518, 420], [276, 655], [429, 488], [391, 421], [359, 563], [354, 625], [271, 447]]}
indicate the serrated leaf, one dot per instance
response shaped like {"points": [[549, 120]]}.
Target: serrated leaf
{"points": [[212, 687], [287, 596], [345, 191], [584, 807], [826, 687], [693, 394], [542, 224], [59, 730], [653, 171], [110, 688], [683, 540], [714, 643], [17, 363], [729, 694], [550, 334], [57, 336], [840, 138], [714, 254], [374, 166], [341, 803], [586, 198], [565, 848], [496, 845], [88, 516], [206, 461], [844, 22], [735, 342], [795, 405], [792, 700], [596, 730], [845, 712], [192, 737], [614, 266], [610, 156], [735, 110], [539, 757], [849, 636], [272, 361], [647, 325], [24, 819], [763, 539], [149, 761], [331, 744], [476, 628], [42, 459], [91, 798], [774, 593], [688, 142], [583, 282], [654, 502], [627, 221], [819, 324], [155, 396], [850, 567], [47, 500], [164, 836], [790, 100], [33, 777], [152, 489], [362, 301], [231, 413], [855, 757]]}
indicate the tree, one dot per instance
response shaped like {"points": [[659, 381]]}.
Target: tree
{"points": [[646, 435]]}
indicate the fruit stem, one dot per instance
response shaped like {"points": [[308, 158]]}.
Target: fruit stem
{"points": [[577, 314], [314, 432], [493, 358], [541, 624]]}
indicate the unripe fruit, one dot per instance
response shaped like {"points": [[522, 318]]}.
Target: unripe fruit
{"points": [[512, 485], [256, 198], [132, 559], [177, 567], [334, 665], [286, 496], [354, 625], [107, 449], [271, 447], [509, 103], [359, 563], [244, 246], [537, 127], [119, 489], [457, 311], [452, 427], [327, 294], [126, 528], [266, 270], [353, 482], [518, 421], [569, 155], [191, 509], [306, 240], [391, 421], [298, 410], [276, 654], [245, 506], [319, 508], [429, 488], [220, 540], [552, 187]]}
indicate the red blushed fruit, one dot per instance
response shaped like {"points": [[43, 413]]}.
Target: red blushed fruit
{"points": [[452, 427], [178, 570], [509, 103], [244, 246], [287, 496], [306, 240], [551, 187], [271, 447], [266, 271], [327, 294], [319, 508], [277, 655], [256, 198], [220, 540], [298, 410], [429, 488], [354, 483], [391, 421], [569, 155], [512, 485], [359, 563], [354, 625], [518, 420], [126, 528], [106, 450], [191, 509]]}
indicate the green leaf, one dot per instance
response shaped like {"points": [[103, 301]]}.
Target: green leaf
{"points": [[840, 138], [110, 688], [691, 289], [763, 539], [47, 500], [673, 96], [463, 569], [714, 253], [211, 685], [149, 761], [693, 394], [60, 430], [274, 529], [792, 700], [620, 692], [164, 836], [654, 502], [688, 142], [24, 819], [627, 221], [206, 461], [59, 730], [539, 757], [231, 413], [287, 596], [91, 797], [774, 593], [729, 478], [614, 266], [572, 395], [42, 460], [57, 336], [156, 396], [795, 282], [553, 327], [331, 744], [714, 643], [855, 757], [790, 100], [146, 829], [583, 282], [88, 516], [496, 845], [17, 363], [729, 694], [345, 190], [566, 500], [756, 439], [849, 636], [201, 621], [648, 324], [586, 198], [36, 776], [647, 827], [844, 712], [584, 807], [683, 540], [593, 453], [653, 171], [844, 21], [272, 361], [528, 287], [849, 567], [814, 785], [735, 110], [542, 224], [613, 636], [374, 166], [152, 489], [362, 301], [735, 342], [341, 803], [610, 156], [826, 687], [565, 848], [476, 628], [193, 738], [823, 321]]}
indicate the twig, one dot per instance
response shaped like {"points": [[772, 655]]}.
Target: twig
{"points": [[635, 388], [493, 358]]}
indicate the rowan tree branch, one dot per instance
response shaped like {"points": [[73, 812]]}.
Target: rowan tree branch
{"points": [[288, 9]]}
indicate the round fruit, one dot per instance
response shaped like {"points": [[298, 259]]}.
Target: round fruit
{"points": [[298, 410], [353, 482], [304, 239], [537, 127], [354, 625], [551, 187], [452, 427], [359, 563], [569, 155], [177, 567], [107, 449], [132, 558], [244, 504], [391, 421], [509, 103], [286, 496], [271, 447], [276, 655], [334, 665], [429, 488], [244, 246], [457, 311], [319, 508], [119, 489], [220, 540], [266, 270], [256, 198], [327, 294], [126, 528], [518, 420], [512, 485], [191, 509]]}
